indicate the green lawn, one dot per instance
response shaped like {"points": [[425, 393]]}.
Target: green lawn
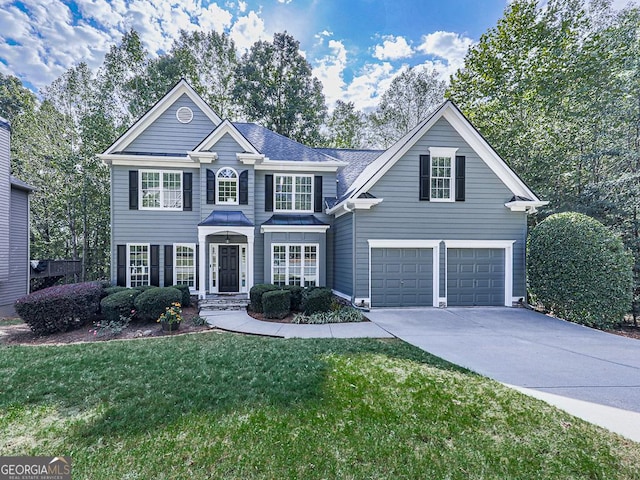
{"points": [[227, 406]]}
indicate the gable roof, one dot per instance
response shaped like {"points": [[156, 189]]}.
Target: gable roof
{"points": [[448, 110], [357, 161], [180, 88], [225, 128]]}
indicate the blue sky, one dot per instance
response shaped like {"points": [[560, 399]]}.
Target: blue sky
{"points": [[356, 47]]}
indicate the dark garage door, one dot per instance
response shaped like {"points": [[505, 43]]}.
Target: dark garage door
{"points": [[475, 276], [401, 277]]}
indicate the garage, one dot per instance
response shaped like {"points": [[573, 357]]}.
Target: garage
{"points": [[401, 277], [475, 276]]}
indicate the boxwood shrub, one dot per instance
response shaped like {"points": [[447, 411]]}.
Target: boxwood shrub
{"points": [[118, 304], [579, 270], [60, 308], [153, 302], [186, 294], [276, 303], [256, 293], [318, 300], [296, 296], [111, 290]]}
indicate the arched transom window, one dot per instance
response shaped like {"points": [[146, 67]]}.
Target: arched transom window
{"points": [[227, 183]]}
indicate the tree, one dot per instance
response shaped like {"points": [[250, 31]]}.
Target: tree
{"points": [[412, 95], [275, 87], [14, 98], [346, 127]]}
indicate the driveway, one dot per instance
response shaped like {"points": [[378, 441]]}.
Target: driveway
{"points": [[526, 349]]}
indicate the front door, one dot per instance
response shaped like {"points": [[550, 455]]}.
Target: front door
{"points": [[228, 267]]}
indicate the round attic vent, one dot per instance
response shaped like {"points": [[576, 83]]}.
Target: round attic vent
{"points": [[184, 115]]}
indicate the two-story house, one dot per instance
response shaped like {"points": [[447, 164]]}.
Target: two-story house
{"points": [[438, 219]]}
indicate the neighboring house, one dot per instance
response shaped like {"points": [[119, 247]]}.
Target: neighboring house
{"points": [[14, 229], [438, 219]]}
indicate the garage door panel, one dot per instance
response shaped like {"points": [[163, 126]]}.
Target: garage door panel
{"points": [[475, 276], [401, 277]]}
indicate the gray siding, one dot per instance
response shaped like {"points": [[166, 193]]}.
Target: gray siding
{"points": [[5, 193], [343, 254], [402, 215], [168, 135], [292, 238], [18, 250]]}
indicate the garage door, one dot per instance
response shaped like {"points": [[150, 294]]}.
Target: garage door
{"points": [[401, 277], [475, 276]]}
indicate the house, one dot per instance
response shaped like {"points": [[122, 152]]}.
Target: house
{"points": [[438, 219], [14, 228]]}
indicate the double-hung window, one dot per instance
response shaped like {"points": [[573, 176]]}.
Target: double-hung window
{"points": [[137, 264], [293, 193], [294, 264], [227, 186], [160, 190], [442, 171], [184, 264]]}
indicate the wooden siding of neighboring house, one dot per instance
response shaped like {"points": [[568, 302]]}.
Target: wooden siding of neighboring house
{"points": [[17, 284], [5, 192]]}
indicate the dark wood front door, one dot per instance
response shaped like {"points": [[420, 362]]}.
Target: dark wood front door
{"points": [[228, 268]]}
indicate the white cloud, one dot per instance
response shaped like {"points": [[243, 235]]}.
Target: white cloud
{"points": [[247, 30], [242, 6], [330, 71], [449, 46], [393, 48], [367, 87]]}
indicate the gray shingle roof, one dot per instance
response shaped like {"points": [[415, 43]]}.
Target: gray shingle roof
{"points": [[357, 161], [278, 147]]}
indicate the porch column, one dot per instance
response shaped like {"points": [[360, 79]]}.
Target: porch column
{"points": [[202, 249], [250, 239]]}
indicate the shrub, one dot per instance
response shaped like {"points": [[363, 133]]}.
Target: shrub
{"points": [[118, 304], [346, 314], [276, 303], [111, 290], [318, 300], [186, 294], [296, 296], [255, 295], [579, 270], [60, 308], [153, 302], [144, 288]]}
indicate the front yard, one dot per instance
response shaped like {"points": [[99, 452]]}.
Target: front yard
{"points": [[216, 405]]}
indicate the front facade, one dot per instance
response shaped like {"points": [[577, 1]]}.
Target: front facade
{"points": [[438, 219]]}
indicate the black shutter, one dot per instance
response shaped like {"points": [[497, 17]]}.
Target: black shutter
{"points": [[187, 191], [197, 268], [460, 181], [211, 187], [317, 194], [243, 187], [155, 266], [168, 265], [121, 261], [133, 190], [425, 171], [268, 193]]}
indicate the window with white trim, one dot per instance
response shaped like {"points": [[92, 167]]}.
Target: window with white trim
{"points": [[137, 264], [295, 264], [293, 193], [160, 190], [442, 171], [227, 185], [184, 264]]}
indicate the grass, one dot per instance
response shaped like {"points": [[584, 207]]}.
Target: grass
{"points": [[4, 322], [228, 406]]}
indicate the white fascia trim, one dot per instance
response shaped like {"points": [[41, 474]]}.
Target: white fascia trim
{"points": [[224, 128], [377, 243], [181, 88], [203, 157], [147, 161], [250, 158], [295, 166], [341, 295], [204, 230], [364, 203], [524, 206], [479, 243], [293, 228]]}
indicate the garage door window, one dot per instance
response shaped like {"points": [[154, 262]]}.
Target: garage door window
{"points": [[294, 265]]}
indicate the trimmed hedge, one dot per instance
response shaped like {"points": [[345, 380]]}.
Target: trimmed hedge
{"points": [[144, 288], [256, 293], [153, 302], [60, 308], [111, 290], [318, 300], [579, 270], [297, 293], [276, 303], [186, 295], [119, 304]]}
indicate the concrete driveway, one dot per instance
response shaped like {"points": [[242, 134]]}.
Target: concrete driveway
{"points": [[526, 349]]}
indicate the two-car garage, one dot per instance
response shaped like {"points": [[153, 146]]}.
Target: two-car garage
{"points": [[411, 273]]}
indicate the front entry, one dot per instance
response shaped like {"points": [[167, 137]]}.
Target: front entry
{"points": [[228, 268]]}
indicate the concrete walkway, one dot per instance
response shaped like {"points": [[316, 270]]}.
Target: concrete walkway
{"points": [[238, 321]]}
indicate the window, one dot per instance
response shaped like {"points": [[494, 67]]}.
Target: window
{"points": [[294, 193], [160, 190], [294, 265], [184, 261], [227, 186], [441, 175], [137, 265]]}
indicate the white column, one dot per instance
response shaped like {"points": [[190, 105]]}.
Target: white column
{"points": [[202, 248]]}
